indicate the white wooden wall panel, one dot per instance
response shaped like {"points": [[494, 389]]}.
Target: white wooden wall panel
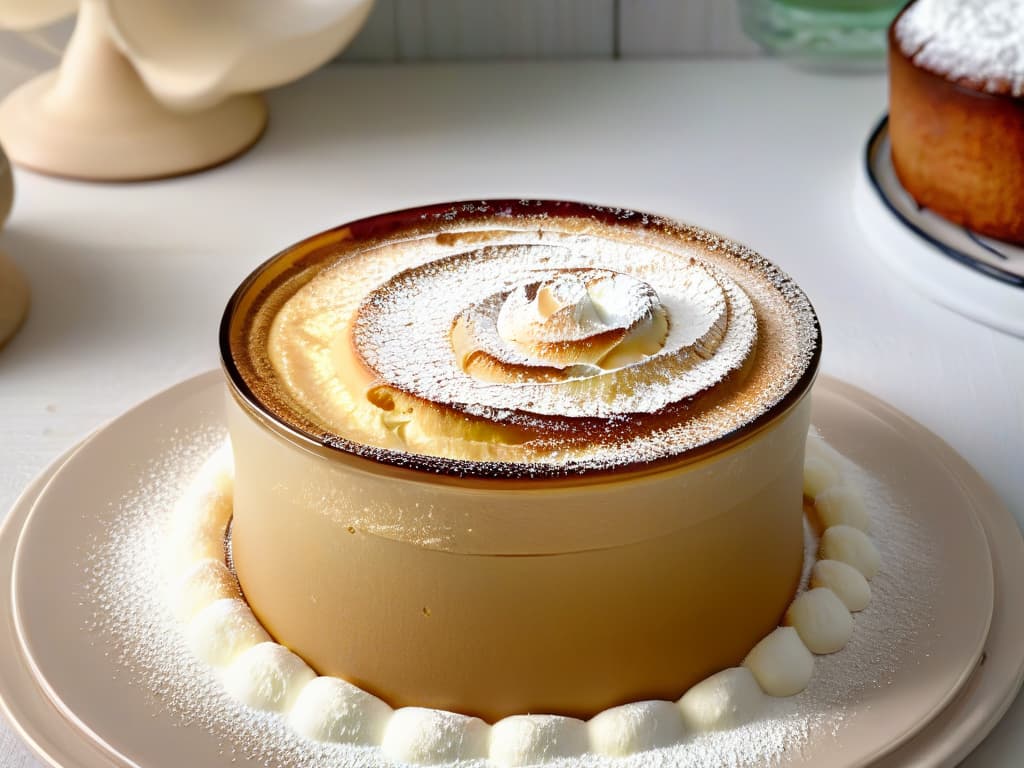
{"points": [[414, 30], [681, 28], [484, 29], [662, 27], [488, 29], [725, 34], [378, 39]]}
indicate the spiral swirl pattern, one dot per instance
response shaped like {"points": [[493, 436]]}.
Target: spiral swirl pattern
{"points": [[550, 331], [538, 342]]}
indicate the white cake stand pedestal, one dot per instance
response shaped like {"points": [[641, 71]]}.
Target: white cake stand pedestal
{"points": [[979, 278], [93, 118]]}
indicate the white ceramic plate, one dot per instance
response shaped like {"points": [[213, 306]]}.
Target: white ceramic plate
{"points": [[979, 277], [66, 696]]}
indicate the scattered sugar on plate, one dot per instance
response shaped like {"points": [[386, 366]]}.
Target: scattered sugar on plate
{"points": [[134, 620]]}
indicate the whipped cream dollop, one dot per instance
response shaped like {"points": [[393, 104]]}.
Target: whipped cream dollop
{"points": [[595, 318], [536, 339]]}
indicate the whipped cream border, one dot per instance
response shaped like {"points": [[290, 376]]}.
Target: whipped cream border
{"points": [[223, 633]]}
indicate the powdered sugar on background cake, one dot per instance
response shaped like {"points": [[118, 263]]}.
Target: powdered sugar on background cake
{"points": [[978, 41], [132, 620]]}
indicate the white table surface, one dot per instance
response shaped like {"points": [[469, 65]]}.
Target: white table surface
{"points": [[129, 281]]}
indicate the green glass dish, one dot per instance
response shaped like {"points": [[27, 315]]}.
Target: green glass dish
{"points": [[823, 34]]}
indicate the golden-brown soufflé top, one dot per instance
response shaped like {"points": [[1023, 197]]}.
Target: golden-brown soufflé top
{"points": [[518, 338]]}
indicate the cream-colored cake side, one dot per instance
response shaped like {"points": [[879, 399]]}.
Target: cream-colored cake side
{"points": [[265, 675], [506, 599]]}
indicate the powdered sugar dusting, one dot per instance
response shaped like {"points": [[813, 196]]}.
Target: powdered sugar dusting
{"points": [[898, 617], [377, 352], [131, 618], [418, 359], [980, 42]]}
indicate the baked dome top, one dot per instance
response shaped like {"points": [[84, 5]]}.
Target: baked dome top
{"points": [[977, 43], [519, 338]]}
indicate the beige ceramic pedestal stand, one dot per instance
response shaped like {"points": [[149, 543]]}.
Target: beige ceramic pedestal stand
{"points": [[13, 299], [13, 285], [93, 118]]}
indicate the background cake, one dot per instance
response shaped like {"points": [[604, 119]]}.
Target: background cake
{"points": [[517, 457], [956, 111]]}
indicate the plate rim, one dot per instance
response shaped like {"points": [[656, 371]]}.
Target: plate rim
{"points": [[940, 750], [29, 733], [871, 148], [995, 517]]}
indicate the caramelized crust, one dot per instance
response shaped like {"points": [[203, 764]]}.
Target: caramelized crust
{"points": [[414, 347]]}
